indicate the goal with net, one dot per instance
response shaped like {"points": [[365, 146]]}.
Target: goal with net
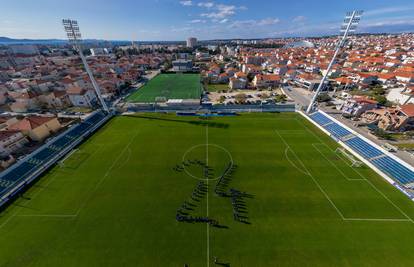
{"points": [[354, 162]]}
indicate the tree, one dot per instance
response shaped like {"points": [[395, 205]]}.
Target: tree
{"points": [[240, 98], [382, 134], [222, 99], [264, 96], [382, 100], [280, 98], [250, 77], [323, 97], [167, 65]]}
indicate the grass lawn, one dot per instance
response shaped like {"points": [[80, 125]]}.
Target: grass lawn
{"points": [[406, 146], [169, 86], [114, 201], [217, 87]]}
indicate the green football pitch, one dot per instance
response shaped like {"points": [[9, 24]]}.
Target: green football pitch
{"points": [[168, 86], [113, 202]]}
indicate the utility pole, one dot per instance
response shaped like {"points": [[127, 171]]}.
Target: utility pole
{"points": [[349, 25], [73, 32]]}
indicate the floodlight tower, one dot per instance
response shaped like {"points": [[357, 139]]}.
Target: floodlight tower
{"points": [[349, 25], [73, 32]]}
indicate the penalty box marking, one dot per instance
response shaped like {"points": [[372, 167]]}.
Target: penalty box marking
{"points": [[359, 173], [308, 173], [68, 216]]}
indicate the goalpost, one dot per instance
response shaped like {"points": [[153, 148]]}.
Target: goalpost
{"points": [[354, 162]]}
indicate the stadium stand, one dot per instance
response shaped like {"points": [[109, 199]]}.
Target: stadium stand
{"points": [[320, 118], [22, 173], [363, 148], [393, 168], [337, 130]]}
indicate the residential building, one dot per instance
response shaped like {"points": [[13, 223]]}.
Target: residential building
{"points": [[36, 127], [82, 97], [191, 42], [266, 81], [357, 105], [11, 141], [182, 65]]}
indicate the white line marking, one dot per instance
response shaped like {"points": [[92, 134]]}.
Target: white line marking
{"points": [[208, 226], [48, 215], [313, 179], [336, 167], [377, 220], [359, 173], [68, 156], [106, 174], [292, 163], [52, 178]]}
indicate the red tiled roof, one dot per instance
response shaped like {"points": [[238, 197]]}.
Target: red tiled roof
{"points": [[408, 109], [30, 123]]}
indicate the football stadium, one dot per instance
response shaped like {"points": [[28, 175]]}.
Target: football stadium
{"points": [[168, 86], [253, 189]]}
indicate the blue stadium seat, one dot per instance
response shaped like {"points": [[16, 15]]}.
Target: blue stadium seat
{"points": [[363, 148], [394, 169], [386, 164], [320, 118], [337, 130], [43, 155]]}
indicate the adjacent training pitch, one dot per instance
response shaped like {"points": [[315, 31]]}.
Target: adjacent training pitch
{"points": [[169, 86], [113, 202]]}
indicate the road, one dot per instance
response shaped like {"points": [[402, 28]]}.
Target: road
{"points": [[301, 96]]}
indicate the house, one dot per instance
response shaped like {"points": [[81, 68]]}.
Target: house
{"points": [[393, 119], [404, 77], [223, 78], [279, 69], [36, 127], [24, 101], [343, 83], [82, 97], [55, 99], [307, 81], [387, 78], [11, 141], [266, 81], [182, 65], [251, 69], [6, 121], [237, 83], [357, 105], [366, 78]]}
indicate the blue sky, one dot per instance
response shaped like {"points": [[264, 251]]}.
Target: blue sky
{"points": [[204, 19]]}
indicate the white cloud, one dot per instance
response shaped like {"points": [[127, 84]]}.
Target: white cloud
{"points": [[223, 20], [206, 4], [197, 21], [299, 19], [268, 21], [222, 12], [186, 2], [388, 10], [254, 23]]}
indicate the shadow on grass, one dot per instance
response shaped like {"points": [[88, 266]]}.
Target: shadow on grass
{"points": [[192, 122]]}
